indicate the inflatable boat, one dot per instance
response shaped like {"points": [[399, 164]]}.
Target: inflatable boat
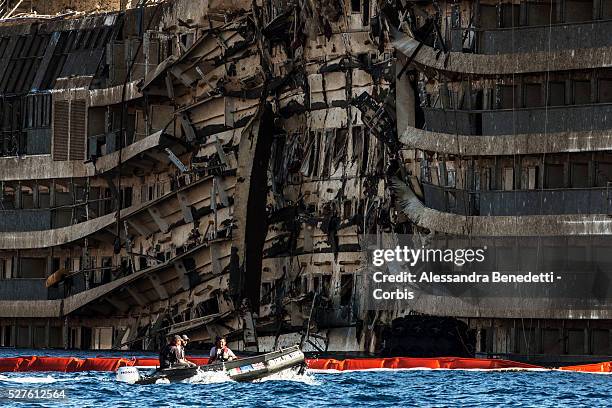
{"points": [[244, 369]]}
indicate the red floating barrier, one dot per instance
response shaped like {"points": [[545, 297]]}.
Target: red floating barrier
{"points": [[146, 362], [591, 368], [72, 364], [10, 364], [409, 362], [104, 364], [49, 364]]}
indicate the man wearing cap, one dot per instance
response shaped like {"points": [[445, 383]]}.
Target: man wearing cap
{"points": [[184, 340]]}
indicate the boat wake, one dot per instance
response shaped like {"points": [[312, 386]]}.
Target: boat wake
{"points": [[208, 377], [213, 377], [291, 374]]}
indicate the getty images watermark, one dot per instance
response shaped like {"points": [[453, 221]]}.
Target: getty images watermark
{"points": [[530, 272]]}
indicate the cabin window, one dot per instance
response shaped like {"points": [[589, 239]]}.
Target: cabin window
{"points": [[578, 10], [605, 90], [582, 92], [556, 93], [533, 95]]}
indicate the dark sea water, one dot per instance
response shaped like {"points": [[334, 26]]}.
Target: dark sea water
{"points": [[420, 388]]}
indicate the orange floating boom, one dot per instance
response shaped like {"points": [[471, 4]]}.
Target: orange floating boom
{"points": [[73, 364]]}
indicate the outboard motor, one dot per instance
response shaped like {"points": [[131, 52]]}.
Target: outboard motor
{"points": [[128, 375]]}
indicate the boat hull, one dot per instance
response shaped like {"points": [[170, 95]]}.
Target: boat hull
{"points": [[244, 369]]}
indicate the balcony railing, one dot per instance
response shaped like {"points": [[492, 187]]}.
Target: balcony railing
{"points": [[519, 202], [556, 37], [551, 119]]}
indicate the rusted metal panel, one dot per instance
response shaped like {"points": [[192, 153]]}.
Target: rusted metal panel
{"points": [[61, 118], [78, 130]]}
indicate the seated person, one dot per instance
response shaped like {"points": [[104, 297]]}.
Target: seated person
{"points": [[184, 340], [171, 355], [220, 352]]}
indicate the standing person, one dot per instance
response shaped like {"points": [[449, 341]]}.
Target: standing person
{"points": [[220, 352]]}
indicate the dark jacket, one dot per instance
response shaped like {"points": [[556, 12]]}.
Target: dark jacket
{"points": [[169, 356]]}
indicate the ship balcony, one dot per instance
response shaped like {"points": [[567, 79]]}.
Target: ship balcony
{"points": [[551, 119], [531, 39], [518, 202]]}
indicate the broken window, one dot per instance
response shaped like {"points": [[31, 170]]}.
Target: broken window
{"points": [[356, 6], [556, 93], [582, 92]]}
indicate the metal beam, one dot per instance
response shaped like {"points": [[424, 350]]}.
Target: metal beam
{"points": [[186, 79], [44, 63], [118, 304], [220, 151], [140, 229], [181, 273], [187, 127], [161, 223], [221, 191], [159, 288], [177, 162], [185, 207], [139, 298], [169, 86]]}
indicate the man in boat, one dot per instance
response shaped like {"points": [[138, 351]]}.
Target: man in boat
{"points": [[184, 341], [220, 352], [172, 356]]}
